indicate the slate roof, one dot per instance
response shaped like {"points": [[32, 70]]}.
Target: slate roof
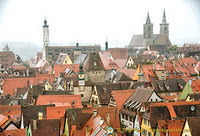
{"points": [[170, 85], [61, 58], [82, 58], [158, 39], [137, 41]]}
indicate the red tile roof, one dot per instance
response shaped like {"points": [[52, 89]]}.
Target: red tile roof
{"points": [[121, 62], [10, 85], [121, 96], [119, 53], [14, 132], [56, 112], [61, 68], [175, 127], [128, 72], [60, 100]]}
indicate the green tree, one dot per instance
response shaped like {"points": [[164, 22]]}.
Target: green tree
{"points": [[172, 48]]}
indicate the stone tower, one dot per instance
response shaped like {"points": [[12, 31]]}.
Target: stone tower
{"points": [[148, 31], [164, 27], [45, 39]]}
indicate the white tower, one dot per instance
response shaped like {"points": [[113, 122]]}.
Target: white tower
{"points": [[45, 39]]}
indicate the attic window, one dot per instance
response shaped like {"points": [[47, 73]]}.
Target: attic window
{"points": [[95, 63]]}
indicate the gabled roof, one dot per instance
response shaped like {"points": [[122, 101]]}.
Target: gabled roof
{"points": [[14, 132], [104, 90], [56, 112], [61, 58], [60, 100], [121, 62], [95, 62], [120, 96], [61, 68]]}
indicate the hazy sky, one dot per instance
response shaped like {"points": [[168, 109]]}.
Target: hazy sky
{"points": [[91, 21]]}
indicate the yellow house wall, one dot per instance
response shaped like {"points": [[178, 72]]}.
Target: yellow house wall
{"points": [[186, 127], [68, 60], [135, 77], [146, 127]]}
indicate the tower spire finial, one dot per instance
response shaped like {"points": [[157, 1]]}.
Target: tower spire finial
{"points": [[148, 21], [164, 18]]}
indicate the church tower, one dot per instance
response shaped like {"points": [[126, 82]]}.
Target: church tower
{"points": [[164, 27], [148, 31], [45, 39]]}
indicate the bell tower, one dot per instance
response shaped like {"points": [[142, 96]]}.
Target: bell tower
{"points": [[164, 27], [45, 39], [148, 31]]}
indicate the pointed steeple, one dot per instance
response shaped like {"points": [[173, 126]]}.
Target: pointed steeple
{"points": [[148, 21], [164, 21], [45, 22], [106, 45]]}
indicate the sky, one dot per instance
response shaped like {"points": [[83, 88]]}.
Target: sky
{"points": [[94, 21]]}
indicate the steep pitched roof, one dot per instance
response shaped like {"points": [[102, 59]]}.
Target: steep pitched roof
{"points": [[61, 68], [121, 96], [95, 62], [119, 53], [60, 100], [61, 58], [137, 41]]}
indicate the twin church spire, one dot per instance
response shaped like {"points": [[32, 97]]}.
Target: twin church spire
{"points": [[148, 27]]}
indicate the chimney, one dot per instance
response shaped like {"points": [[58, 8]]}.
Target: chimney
{"points": [[27, 83], [108, 119], [34, 123], [27, 72], [73, 103], [163, 63], [94, 113], [87, 130]]}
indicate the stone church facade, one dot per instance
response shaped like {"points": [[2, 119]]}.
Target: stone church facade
{"points": [[148, 38]]}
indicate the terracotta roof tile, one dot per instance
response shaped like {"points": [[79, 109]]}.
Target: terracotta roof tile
{"points": [[10, 85], [56, 112], [121, 96], [128, 72], [60, 100], [119, 53], [61, 68], [14, 132]]}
